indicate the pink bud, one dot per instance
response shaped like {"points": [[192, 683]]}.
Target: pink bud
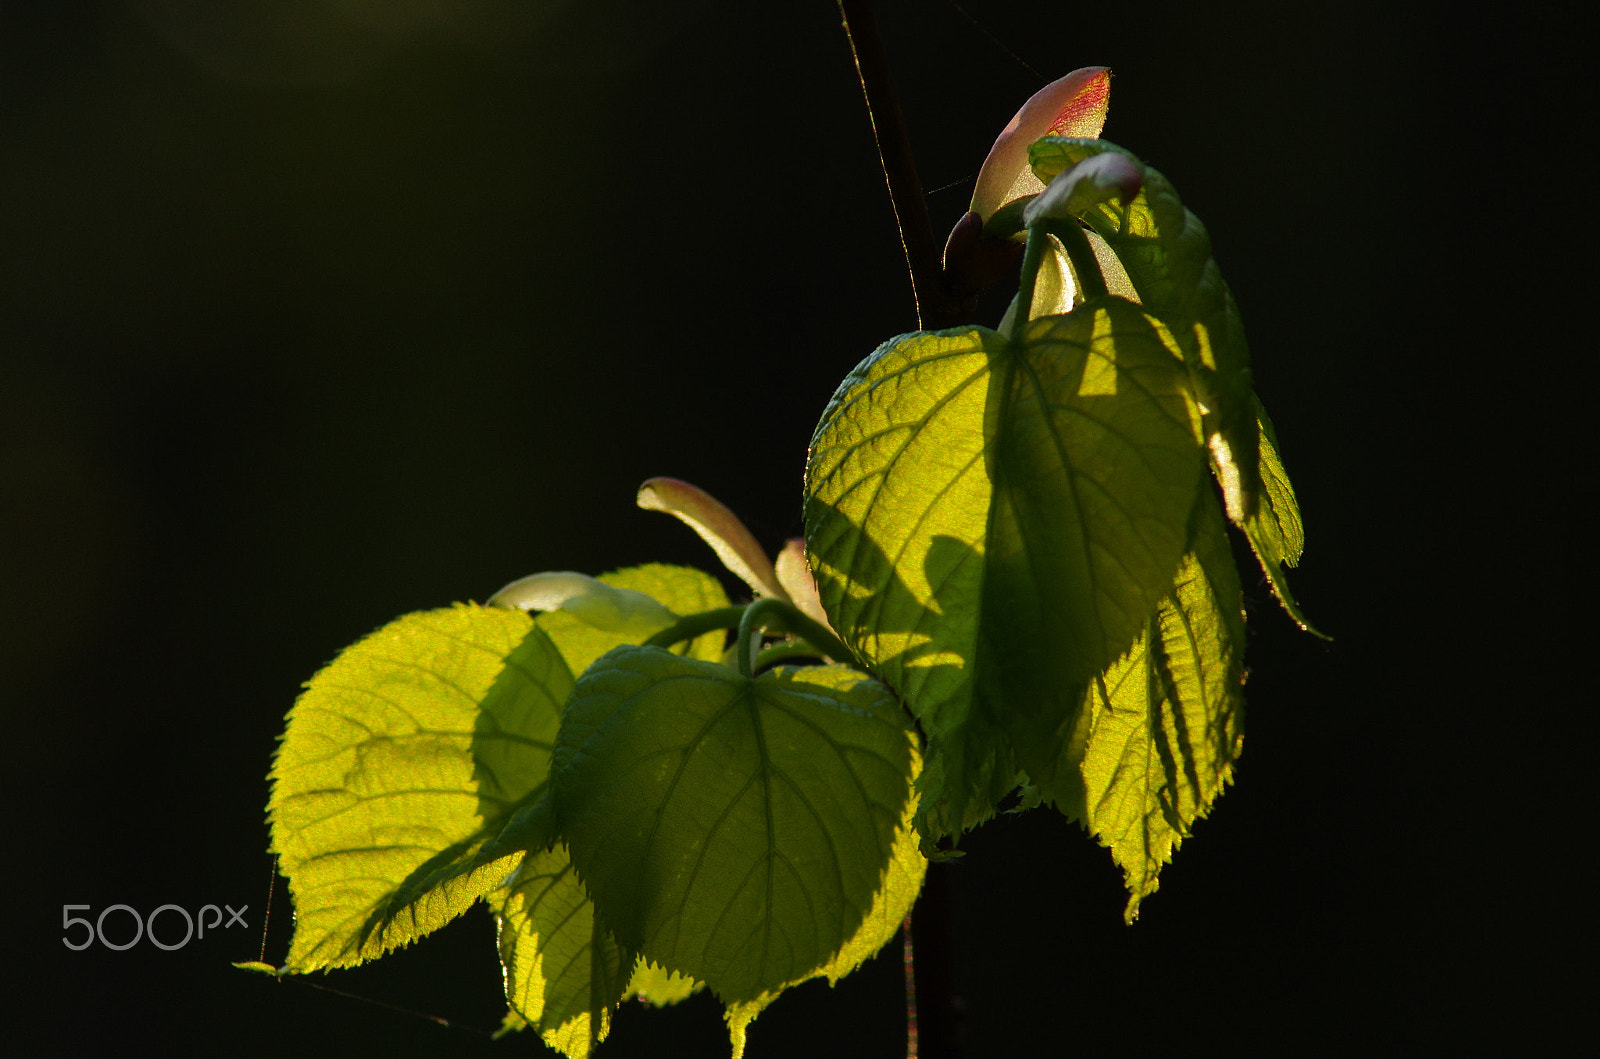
{"points": [[1073, 106]]}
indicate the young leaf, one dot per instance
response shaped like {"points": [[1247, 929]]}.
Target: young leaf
{"points": [[403, 757], [718, 527], [991, 522], [794, 574], [592, 601], [681, 589], [897, 893], [1274, 531], [563, 970], [1167, 717], [731, 829], [658, 986], [1167, 255]]}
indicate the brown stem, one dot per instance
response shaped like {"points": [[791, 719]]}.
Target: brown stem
{"points": [[908, 955], [899, 167], [938, 1015]]}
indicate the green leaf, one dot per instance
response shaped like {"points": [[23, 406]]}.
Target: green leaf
{"points": [[729, 829], [897, 893], [1274, 531], [563, 971], [1167, 255], [1166, 719], [592, 601], [403, 757], [259, 967], [660, 987], [990, 523], [681, 589]]}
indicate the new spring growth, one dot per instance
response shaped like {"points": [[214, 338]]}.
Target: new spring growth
{"points": [[1062, 263], [589, 600], [1087, 184], [718, 527], [1075, 105], [787, 578]]}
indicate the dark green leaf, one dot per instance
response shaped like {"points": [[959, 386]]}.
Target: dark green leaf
{"points": [[730, 829], [897, 893]]}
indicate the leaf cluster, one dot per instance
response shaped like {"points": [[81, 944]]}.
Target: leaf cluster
{"points": [[1018, 530], [1016, 580], [662, 823]]}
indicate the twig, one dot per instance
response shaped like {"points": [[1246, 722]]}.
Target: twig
{"points": [[899, 167]]}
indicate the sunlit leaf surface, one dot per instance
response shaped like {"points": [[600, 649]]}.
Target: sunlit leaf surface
{"points": [[730, 829], [1275, 532], [991, 523], [656, 985], [682, 589], [563, 971], [1163, 252], [401, 760], [1166, 719], [1166, 254]]}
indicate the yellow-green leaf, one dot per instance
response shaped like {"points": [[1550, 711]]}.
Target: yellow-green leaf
{"points": [[991, 521], [403, 757], [1166, 253], [654, 984], [681, 589], [1166, 719], [563, 971], [1275, 531]]}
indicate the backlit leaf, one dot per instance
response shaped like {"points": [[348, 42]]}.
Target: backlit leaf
{"points": [[1166, 719], [681, 589], [897, 893], [656, 985], [732, 830], [1167, 256], [991, 522], [403, 757], [1275, 532], [718, 527], [590, 600], [563, 971]]}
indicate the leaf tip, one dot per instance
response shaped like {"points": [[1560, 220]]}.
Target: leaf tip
{"points": [[717, 526], [262, 968]]}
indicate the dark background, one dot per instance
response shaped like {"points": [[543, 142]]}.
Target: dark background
{"points": [[311, 316]]}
